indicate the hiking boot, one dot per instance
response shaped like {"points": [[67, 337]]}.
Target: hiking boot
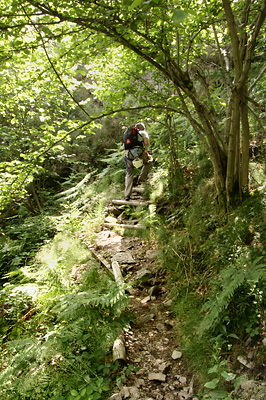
{"points": [[127, 198]]}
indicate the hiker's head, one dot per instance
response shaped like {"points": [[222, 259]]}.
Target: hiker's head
{"points": [[140, 126]]}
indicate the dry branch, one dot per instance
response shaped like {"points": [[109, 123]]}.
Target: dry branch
{"points": [[103, 262]]}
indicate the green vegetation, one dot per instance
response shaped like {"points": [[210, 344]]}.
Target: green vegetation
{"points": [[73, 76], [59, 314], [60, 311], [218, 281]]}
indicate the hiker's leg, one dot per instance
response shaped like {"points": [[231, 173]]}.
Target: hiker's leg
{"points": [[145, 169], [144, 173], [129, 177]]}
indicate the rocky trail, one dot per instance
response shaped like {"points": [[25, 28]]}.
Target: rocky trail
{"points": [[152, 348], [159, 371]]}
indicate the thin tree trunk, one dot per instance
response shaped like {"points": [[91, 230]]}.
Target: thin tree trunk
{"points": [[245, 143], [232, 148], [36, 197]]}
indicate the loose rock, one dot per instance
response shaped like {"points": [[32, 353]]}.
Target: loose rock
{"points": [[165, 367], [152, 254], [176, 355], [243, 361], [159, 376], [143, 319], [143, 274], [116, 396], [146, 299], [124, 257]]}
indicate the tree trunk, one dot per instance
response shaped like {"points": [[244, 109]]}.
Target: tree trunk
{"points": [[174, 173], [245, 143]]}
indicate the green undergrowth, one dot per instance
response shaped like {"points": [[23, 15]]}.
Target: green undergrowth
{"points": [[216, 268], [59, 310]]}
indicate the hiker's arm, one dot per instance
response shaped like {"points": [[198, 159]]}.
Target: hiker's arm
{"points": [[146, 143]]}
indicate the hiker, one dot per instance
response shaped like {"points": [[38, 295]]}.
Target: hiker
{"points": [[136, 143]]}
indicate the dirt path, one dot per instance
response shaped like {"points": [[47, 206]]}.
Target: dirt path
{"points": [[159, 371], [151, 344]]}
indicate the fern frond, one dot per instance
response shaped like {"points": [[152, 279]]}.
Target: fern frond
{"points": [[234, 276], [75, 190], [73, 306]]}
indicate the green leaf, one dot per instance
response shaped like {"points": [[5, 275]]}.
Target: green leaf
{"points": [[212, 384], [136, 3], [238, 381], [213, 370], [89, 390], [46, 30], [96, 396], [219, 394], [74, 393], [192, 12], [179, 16], [228, 376], [234, 336]]}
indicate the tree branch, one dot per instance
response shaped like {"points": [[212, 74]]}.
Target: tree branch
{"points": [[234, 37], [257, 79]]}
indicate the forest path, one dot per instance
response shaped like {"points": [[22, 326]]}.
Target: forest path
{"points": [[152, 347], [152, 342]]}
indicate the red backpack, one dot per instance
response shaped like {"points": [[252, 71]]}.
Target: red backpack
{"points": [[131, 138]]}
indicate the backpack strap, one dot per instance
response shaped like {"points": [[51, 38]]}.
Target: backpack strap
{"points": [[132, 154]]}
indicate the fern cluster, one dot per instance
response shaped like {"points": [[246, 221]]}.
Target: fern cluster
{"points": [[243, 273], [69, 337], [58, 330]]}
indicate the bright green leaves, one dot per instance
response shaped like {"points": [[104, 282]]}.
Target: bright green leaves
{"points": [[136, 3], [93, 391], [179, 16]]}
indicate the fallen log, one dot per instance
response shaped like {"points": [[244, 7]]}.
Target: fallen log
{"points": [[138, 190], [119, 348], [131, 203], [126, 226], [103, 262], [117, 273]]}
